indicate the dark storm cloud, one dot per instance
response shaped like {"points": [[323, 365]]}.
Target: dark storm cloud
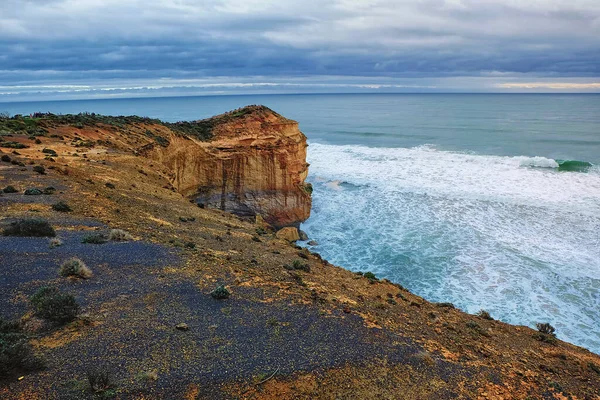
{"points": [[70, 40]]}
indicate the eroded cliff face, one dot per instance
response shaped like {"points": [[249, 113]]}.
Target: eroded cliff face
{"points": [[254, 163]]}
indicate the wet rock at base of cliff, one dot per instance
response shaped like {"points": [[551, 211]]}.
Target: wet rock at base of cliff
{"points": [[289, 233], [303, 235]]}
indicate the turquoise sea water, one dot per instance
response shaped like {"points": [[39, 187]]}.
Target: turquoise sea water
{"points": [[460, 198]]}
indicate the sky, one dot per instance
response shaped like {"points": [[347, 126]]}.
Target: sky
{"points": [[71, 49]]}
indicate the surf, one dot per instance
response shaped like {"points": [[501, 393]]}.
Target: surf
{"points": [[513, 235]]}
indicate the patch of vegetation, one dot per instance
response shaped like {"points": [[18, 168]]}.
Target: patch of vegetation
{"points": [[30, 227], [299, 265], [13, 145], [594, 367], [33, 192], [220, 293], [94, 238], [55, 242], [545, 328], [99, 379], [10, 189], [542, 337], [75, 267], [484, 314], [50, 151], [477, 328], [119, 235], [5, 158], [49, 190], [39, 169], [52, 305], [61, 206], [16, 354], [161, 141], [109, 185], [445, 305], [308, 187], [371, 277]]}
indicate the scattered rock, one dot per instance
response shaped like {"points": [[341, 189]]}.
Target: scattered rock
{"points": [[10, 189], [39, 169], [109, 185], [313, 243], [182, 327], [289, 233], [303, 235]]}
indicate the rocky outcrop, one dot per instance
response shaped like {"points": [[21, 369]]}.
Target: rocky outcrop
{"points": [[253, 163]]}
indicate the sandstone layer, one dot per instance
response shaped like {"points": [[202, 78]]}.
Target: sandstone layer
{"points": [[254, 163]]}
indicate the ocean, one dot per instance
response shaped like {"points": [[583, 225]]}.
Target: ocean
{"points": [[488, 201]]}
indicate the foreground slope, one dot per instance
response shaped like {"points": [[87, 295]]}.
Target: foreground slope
{"points": [[287, 331]]}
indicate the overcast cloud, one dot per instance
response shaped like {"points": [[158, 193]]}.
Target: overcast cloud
{"points": [[91, 48]]}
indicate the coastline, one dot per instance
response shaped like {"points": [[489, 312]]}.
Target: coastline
{"points": [[318, 330]]}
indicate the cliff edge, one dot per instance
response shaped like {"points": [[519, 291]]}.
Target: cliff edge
{"points": [[254, 162]]}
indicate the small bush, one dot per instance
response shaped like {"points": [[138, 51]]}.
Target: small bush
{"points": [[5, 158], [10, 189], [371, 277], [542, 337], [99, 379], [55, 242], [119, 235], [52, 305], [545, 328], [109, 185], [49, 190], [61, 206], [299, 265], [75, 267], [484, 314], [49, 151], [33, 192], [13, 145], [16, 353], [445, 305], [220, 292], [39, 169], [594, 367], [95, 238], [30, 227]]}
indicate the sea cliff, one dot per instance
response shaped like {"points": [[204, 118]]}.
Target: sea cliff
{"points": [[179, 301]]}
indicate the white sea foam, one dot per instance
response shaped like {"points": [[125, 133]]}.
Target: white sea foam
{"points": [[481, 231]]}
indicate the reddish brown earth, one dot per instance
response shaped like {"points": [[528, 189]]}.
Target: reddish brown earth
{"points": [[319, 333]]}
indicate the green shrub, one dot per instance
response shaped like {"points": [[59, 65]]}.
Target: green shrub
{"points": [[49, 151], [75, 267], [220, 292], [95, 238], [50, 304], [299, 265], [33, 192], [445, 305], [371, 277], [99, 379], [49, 190], [5, 158], [13, 145], [16, 353], [39, 169], [10, 189], [61, 206], [30, 227]]}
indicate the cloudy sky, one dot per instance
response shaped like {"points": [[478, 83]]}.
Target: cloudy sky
{"points": [[123, 48]]}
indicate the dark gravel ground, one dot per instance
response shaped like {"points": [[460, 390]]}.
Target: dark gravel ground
{"points": [[138, 307]]}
